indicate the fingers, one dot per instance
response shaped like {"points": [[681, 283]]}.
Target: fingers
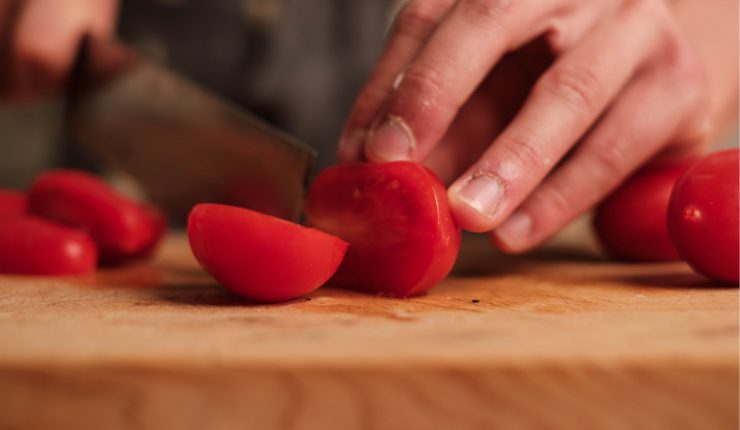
{"points": [[411, 29], [455, 60], [45, 41], [654, 109], [562, 106], [489, 110]]}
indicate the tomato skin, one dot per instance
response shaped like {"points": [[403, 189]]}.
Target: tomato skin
{"points": [[121, 227], [631, 222], [703, 216], [157, 232], [259, 256], [33, 246], [12, 203], [403, 238]]}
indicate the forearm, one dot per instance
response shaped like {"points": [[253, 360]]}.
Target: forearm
{"points": [[712, 26]]}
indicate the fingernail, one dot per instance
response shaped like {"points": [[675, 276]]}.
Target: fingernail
{"points": [[392, 140], [515, 231], [483, 194], [350, 145]]}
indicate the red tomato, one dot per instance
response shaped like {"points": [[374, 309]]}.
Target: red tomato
{"points": [[34, 246], [261, 257], [703, 216], [12, 203], [403, 238], [631, 222], [159, 229], [121, 228]]}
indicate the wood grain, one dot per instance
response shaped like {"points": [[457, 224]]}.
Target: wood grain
{"points": [[546, 341]]}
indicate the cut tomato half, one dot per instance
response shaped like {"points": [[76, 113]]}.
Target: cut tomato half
{"points": [[259, 256], [403, 238]]}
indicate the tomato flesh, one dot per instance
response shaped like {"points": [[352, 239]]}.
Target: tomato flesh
{"points": [[121, 227], [259, 256], [34, 246], [703, 216], [403, 238], [631, 222]]}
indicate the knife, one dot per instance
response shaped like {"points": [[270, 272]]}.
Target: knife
{"points": [[182, 144]]}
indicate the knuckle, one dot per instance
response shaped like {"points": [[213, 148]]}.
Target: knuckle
{"points": [[684, 62], [418, 19], [645, 7], [687, 74], [424, 82], [487, 12], [699, 132], [557, 203], [525, 151], [611, 156], [574, 85]]}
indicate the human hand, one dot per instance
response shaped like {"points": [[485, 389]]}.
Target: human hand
{"points": [[538, 109], [39, 40]]}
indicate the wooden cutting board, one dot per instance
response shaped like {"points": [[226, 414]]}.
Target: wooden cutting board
{"points": [[557, 339]]}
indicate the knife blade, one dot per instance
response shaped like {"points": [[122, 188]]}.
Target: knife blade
{"points": [[182, 144]]}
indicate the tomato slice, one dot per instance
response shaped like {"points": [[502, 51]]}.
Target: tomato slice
{"points": [[403, 238], [12, 203], [703, 216], [631, 222], [259, 256], [121, 227], [34, 246]]}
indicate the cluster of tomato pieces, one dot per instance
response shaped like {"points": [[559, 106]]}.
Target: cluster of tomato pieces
{"points": [[68, 222], [379, 228], [686, 210], [386, 229]]}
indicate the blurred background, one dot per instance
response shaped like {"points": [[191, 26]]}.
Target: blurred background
{"points": [[296, 64]]}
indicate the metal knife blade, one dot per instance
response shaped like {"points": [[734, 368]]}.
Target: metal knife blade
{"points": [[182, 144]]}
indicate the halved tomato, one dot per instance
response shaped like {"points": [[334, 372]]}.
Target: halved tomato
{"points": [[259, 256], [403, 238]]}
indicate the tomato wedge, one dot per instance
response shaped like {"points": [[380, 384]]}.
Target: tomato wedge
{"points": [[403, 238], [259, 256], [122, 228], [631, 222], [703, 216], [34, 246]]}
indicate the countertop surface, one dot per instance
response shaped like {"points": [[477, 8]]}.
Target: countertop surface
{"points": [[556, 339]]}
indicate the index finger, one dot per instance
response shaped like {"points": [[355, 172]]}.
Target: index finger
{"points": [[447, 70], [412, 27]]}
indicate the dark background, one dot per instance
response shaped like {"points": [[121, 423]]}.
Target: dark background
{"points": [[296, 63]]}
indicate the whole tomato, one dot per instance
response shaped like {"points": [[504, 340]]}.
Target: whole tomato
{"points": [[122, 228], [703, 216], [34, 246], [631, 222]]}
